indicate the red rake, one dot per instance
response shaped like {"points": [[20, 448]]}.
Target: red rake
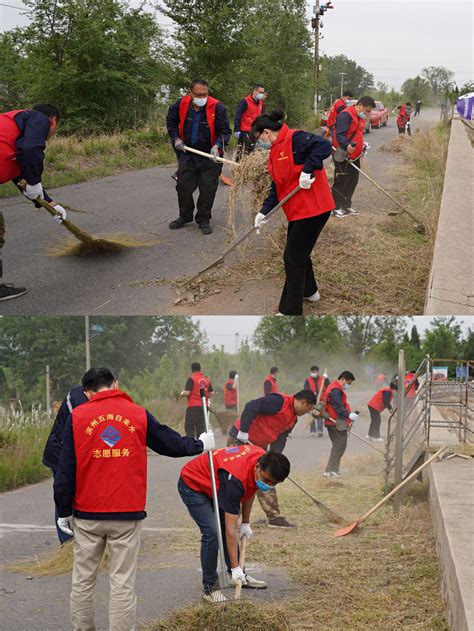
{"points": [[353, 526]]}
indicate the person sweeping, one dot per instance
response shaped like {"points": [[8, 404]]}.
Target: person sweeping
{"points": [[296, 159], [239, 472], [23, 136], [382, 400]]}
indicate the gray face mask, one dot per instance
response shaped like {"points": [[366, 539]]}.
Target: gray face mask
{"points": [[362, 115], [200, 102], [262, 145]]}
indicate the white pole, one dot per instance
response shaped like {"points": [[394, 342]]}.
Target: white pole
{"points": [[399, 427], [48, 392], [88, 342]]}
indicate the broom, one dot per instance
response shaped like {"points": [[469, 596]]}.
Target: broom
{"points": [[330, 514]]}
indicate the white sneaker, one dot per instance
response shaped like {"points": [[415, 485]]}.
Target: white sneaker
{"points": [[328, 474], [338, 212], [336, 474], [252, 582], [314, 298], [352, 211], [379, 440], [215, 597]]}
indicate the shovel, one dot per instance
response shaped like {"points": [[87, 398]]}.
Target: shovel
{"points": [[353, 526]]}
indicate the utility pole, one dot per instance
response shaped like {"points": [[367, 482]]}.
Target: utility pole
{"points": [[316, 24], [342, 81], [48, 392], [88, 342], [237, 342]]}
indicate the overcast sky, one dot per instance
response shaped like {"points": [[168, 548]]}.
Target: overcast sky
{"points": [[393, 39], [221, 330]]}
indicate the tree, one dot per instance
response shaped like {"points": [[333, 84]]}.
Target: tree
{"points": [[440, 80], [415, 338], [416, 89], [357, 78], [12, 87], [443, 340]]}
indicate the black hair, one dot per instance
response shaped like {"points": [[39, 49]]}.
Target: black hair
{"points": [[306, 395], [348, 93], [276, 465], [271, 121], [315, 368], [195, 366], [232, 374], [273, 370], [258, 85], [195, 82], [366, 101], [49, 110], [408, 103], [394, 385], [347, 375], [96, 378]]}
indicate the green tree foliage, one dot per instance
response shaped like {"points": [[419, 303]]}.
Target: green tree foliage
{"points": [[357, 78], [440, 80], [12, 85], [443, 340], [416, 89], [415, 337]]}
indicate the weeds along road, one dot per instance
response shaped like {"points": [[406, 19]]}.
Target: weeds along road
{"points": [[169, 571], [138, 203]]}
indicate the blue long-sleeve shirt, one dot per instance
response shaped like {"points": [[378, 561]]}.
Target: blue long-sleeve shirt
{"points": [[335, 399], [160, 438], [239, 112], [310, 151], [343, 122]]}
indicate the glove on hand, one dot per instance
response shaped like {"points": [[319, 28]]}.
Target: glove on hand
{"points": [[65, 524], [245, 530], [238, 574], [306, 180], [208, 441], [243, 437], [32, 191], [353, 417], [260, 219], [179, 145], [215, 152], [62, 211]]}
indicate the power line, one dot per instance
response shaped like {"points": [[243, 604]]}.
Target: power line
{"points": [[10, 6]]}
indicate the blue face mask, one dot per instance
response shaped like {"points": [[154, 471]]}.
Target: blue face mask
{"points": [[262, 145], [263, 486], [200, 102], [260, 96], [347, 386], [362, 115]]}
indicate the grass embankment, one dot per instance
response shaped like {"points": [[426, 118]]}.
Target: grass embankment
{"points": [[384, 576], [22, 440], [74, 159]]}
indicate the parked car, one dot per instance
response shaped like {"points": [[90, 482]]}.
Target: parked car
{"points": [[368, 122], [379, 115]]}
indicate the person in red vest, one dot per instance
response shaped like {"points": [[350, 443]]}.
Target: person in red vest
{"points": [[336, 108], [381, 381], [240, 471], [23, 136], [403, 119], [267, 422], [313, 383], [100, 491], [382, 400], [270, 383], [248, 109], [348, 136], [411, 385], [296, 159], [194, 422], [199, 121], [231, 391], [339, 420]]}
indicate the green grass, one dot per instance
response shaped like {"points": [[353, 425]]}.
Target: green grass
{"points": [[22, 440], [74, 159]]}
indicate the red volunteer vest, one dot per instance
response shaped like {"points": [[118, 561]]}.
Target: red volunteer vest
{"points": [[331, 121], [266, 429], [239, 461], [403, 117], [230, 395], [9, 132], [184, 106], [380, 379], [251, 113], [376, 401], [271, 379], [315, 384], [200, 381], [357, 126], [410, 379], [286, 174], [335, 385], [110, 445]]}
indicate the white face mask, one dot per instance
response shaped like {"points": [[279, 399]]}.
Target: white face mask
{"points": [[200, 102], [362, 115], [314, 374]]}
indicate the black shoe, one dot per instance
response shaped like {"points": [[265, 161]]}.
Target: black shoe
{"points": [[7, 292], [205, 227], [177, 223], [280, 522]]}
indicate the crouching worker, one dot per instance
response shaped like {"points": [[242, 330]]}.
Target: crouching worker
{"points": [[100, 492], [239, 471]]}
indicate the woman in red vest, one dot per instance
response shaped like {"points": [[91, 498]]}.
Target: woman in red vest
{"points": [[194, 423], [231, 391], [248, 109], [239, 471], [314, 383], [296, 159], [381, 400], [403, 119]]}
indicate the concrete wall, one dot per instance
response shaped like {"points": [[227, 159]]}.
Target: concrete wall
{"points": [[451, 283]]}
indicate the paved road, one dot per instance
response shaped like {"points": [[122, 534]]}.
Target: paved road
{"points": [[139, 202], [166, 578]]}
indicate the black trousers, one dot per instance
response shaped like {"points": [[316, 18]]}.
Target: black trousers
{"points": [[191, 176], [300, 281], [346, 179], [339, 444], [2, 243], [245, 145], [375, 420], [194, 423]]}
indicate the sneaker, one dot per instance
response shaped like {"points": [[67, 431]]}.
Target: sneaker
{"points": [[215, 597], [352, 211], [252, 583], [336, 474], [320, 434], [378, 440], [338, 212], [312, 434], [328, 474], [7, 292], [177, 223], [314, 298], [280, 522], [205, 227]]}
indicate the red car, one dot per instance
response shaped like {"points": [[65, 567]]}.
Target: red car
{"points": [[379, 115]]}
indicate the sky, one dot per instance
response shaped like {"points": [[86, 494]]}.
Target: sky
{"points": [[221, 330], [393, 39]]}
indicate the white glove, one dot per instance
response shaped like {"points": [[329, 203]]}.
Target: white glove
{"points": [[65, 524], [215, 152], [236, 378], [62, 211], [237, 134], [179, 145], [306, 180], [260, 219], [243, 437], [238, 574], [366, 147], [208, 441], [353, 417], [33, 191], [245, 530]]}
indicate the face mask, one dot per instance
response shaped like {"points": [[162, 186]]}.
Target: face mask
{"points": [[347, 386], [263, 486], [362, 115], [314, 374], [263, 145], [260, 96], [200, 102]]}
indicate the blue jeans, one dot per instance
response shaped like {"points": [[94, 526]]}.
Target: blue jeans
{"points": [[201, 509], [312, 427]]}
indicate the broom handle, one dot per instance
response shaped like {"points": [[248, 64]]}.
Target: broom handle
{"points": [[399, 486], [210, 156], [302, 489], [42, 202], [243, 549]]}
